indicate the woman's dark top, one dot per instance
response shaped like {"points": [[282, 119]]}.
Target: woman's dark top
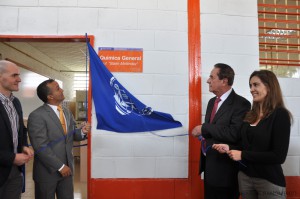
{"points": [[265, 147]]}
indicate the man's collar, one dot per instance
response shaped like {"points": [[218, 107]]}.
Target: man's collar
{"points": [[226, 94], [4, 97]]}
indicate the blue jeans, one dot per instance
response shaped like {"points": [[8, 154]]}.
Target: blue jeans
{"points": [[258, 188]]}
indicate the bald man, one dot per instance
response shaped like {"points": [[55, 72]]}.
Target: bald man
{"points": [[14, 150]]}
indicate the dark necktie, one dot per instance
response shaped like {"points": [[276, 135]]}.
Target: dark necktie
{"points": [[214, 110], [204, 148]]}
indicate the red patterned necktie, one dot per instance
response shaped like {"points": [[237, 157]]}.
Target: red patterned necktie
{"points": [[214, 110], [204, 148]]}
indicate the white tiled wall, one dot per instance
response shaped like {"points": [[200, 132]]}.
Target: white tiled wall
{"points": [[229, 34], [290, 88]]}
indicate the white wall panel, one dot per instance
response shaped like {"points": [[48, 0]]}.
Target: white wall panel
{"points": [[157, 20], [58, 3], [182, 24], [180, 63], [181, 145], [294, 149], [242, 64], [180, 104], [178, 5], [135, 39], [118, 19], [8, 20], [238, 7], [170, 85], [295, 127], [209, 6], [291, 166], [159, 62], [110, 145], [136, 167], [98, 3], [292, 103], [172, 167], [103, 167], [232, 25], [19, 3], [160, 103], [77, 20], [153, 146], [171, 41], [138, 4], [38, 20]]}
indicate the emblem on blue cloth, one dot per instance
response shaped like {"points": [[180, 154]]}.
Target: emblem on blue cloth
{"points": [[123, 104]]}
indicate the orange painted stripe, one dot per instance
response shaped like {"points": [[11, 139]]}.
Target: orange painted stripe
{"points": [[278, 64], [195, 100], [277, 6], [283, 36], [140, 188], [279, 13], [43, 38], [89, 149], [292, 187], [280, 51], [270, 28], [279, 21], [279, 60], [277, 44]]}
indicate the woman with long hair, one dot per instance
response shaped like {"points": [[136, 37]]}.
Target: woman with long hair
{"points": [[264, 140]]}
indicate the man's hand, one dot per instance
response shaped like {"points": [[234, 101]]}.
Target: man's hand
{"points": [[28, 151], [85, 127], [21, 159], [66, 171], [221, 148], [196, 132]]}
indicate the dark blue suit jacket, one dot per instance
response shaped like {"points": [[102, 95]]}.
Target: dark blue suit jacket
{"points": [[7, 155]]}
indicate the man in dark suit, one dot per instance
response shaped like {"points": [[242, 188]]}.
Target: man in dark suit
{"points": [[14, 150], [51, 131], [224, 116]]}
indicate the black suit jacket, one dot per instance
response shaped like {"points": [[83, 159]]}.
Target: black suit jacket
{"points": [[7, 154], [219, 169]]}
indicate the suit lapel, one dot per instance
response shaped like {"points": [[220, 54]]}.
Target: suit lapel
{"points": [[20, 114], [17, 108], [225, 106], [54, 117], [5, 117], [67, 116]]}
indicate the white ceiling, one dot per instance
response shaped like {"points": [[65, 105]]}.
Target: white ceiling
{"points": [[69, 56]]}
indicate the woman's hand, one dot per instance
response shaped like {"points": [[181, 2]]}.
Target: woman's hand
{"points": [[235, 155], [221, 148]]}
